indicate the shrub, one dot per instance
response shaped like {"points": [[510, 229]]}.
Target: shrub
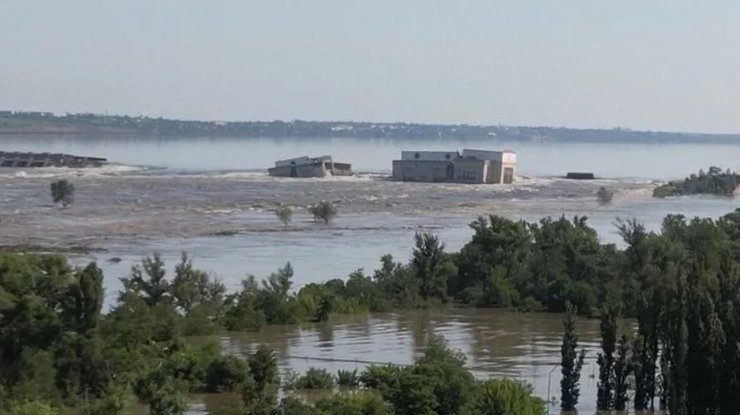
{"points": [[316, 379], [226, 373], [63, 191], [506, 397], [31, 408], [323, 211], [284, 215], [348, 378], [604, 195], [358, 403]]}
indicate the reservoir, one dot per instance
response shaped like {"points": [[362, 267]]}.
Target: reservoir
{"points": [[213, 199]]}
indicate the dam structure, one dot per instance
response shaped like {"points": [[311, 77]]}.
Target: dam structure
{"points": [[35, 160], [470, 166], [310, 167]]}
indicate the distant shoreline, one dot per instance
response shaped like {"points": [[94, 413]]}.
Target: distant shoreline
{"points": [[43, 123]]}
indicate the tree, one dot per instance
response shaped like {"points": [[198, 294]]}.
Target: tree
{"points": [[431, 266], [323, 211], [571, 362], [63, 191], [622, 370], [608, 330], [604, 195], [284, 215]]}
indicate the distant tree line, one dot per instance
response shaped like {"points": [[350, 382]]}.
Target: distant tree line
{"points": [[88, 122]]}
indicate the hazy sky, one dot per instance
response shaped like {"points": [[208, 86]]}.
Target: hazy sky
{"points": [[647, 64]]}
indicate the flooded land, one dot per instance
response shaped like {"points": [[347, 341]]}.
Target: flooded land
{"points": [[212, 199]]}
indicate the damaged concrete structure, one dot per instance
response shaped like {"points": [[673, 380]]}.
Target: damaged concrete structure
{"points": [[20, 159], [470, 166], [310, 167]]}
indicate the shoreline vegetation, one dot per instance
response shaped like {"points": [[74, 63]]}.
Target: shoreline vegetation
{"points": [[20, 122], [714, 181], [59, 349]]}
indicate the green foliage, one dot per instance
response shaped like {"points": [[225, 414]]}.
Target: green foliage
{"points": [[505, 397], [116, 402], [316, 379], [225, 374], [571, 362], [63, 191], [323, 211], [356, 403], [715, 182], [284, 215], [163, 394], [606, 385], [348, 378], [30, 408]]}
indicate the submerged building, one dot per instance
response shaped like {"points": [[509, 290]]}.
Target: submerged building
{"points": [[310, 167], [20, 159], [470, 166]]}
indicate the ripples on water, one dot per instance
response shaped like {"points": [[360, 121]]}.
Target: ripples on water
{"points": [[205, 201]]}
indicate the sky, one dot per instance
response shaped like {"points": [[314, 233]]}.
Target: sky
{"points": [[658, 65]]}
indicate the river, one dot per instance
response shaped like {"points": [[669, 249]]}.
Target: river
{"points": [[212, 198]]}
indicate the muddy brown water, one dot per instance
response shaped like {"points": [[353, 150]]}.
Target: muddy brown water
{"points": [[497, 343]]}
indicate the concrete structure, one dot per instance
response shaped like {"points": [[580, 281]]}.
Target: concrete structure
{"points": [[310, 167], [574, 175], [17, 159], [472, 166]]}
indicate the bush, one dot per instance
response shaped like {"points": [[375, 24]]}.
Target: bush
{"points": [[316, 379], [323, 211], [506, 397], [225, 374], [284, 215], [31, 408], [359, 403], [63, 191], [348, 378]]}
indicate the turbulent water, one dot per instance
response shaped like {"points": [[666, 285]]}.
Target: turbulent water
{"points": [[212, 199]]}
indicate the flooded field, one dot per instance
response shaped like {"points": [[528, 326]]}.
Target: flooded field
{"points": [[212, 200]]}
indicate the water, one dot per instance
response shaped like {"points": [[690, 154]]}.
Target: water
{"points": [[535, 158], [211, 198], [497, 343]]}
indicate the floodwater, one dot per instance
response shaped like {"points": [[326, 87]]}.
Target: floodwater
{"points": [[211, 198]]}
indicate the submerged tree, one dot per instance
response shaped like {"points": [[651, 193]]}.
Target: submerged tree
{"points": [[604, 195], [571, 362], [622, 370], [284, 215], [63, 191], [608, 329], [323, 211]]}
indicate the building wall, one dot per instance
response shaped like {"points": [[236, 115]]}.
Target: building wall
{"points": [[313, 170], [471, 171], [497, 173], [429, 155], [422, 171]]}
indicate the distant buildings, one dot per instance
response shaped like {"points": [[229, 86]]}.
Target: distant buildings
{"points": [[310, 167], [472, 166]]}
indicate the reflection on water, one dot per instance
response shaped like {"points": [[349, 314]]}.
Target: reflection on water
{"points": [[497, 343]]}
